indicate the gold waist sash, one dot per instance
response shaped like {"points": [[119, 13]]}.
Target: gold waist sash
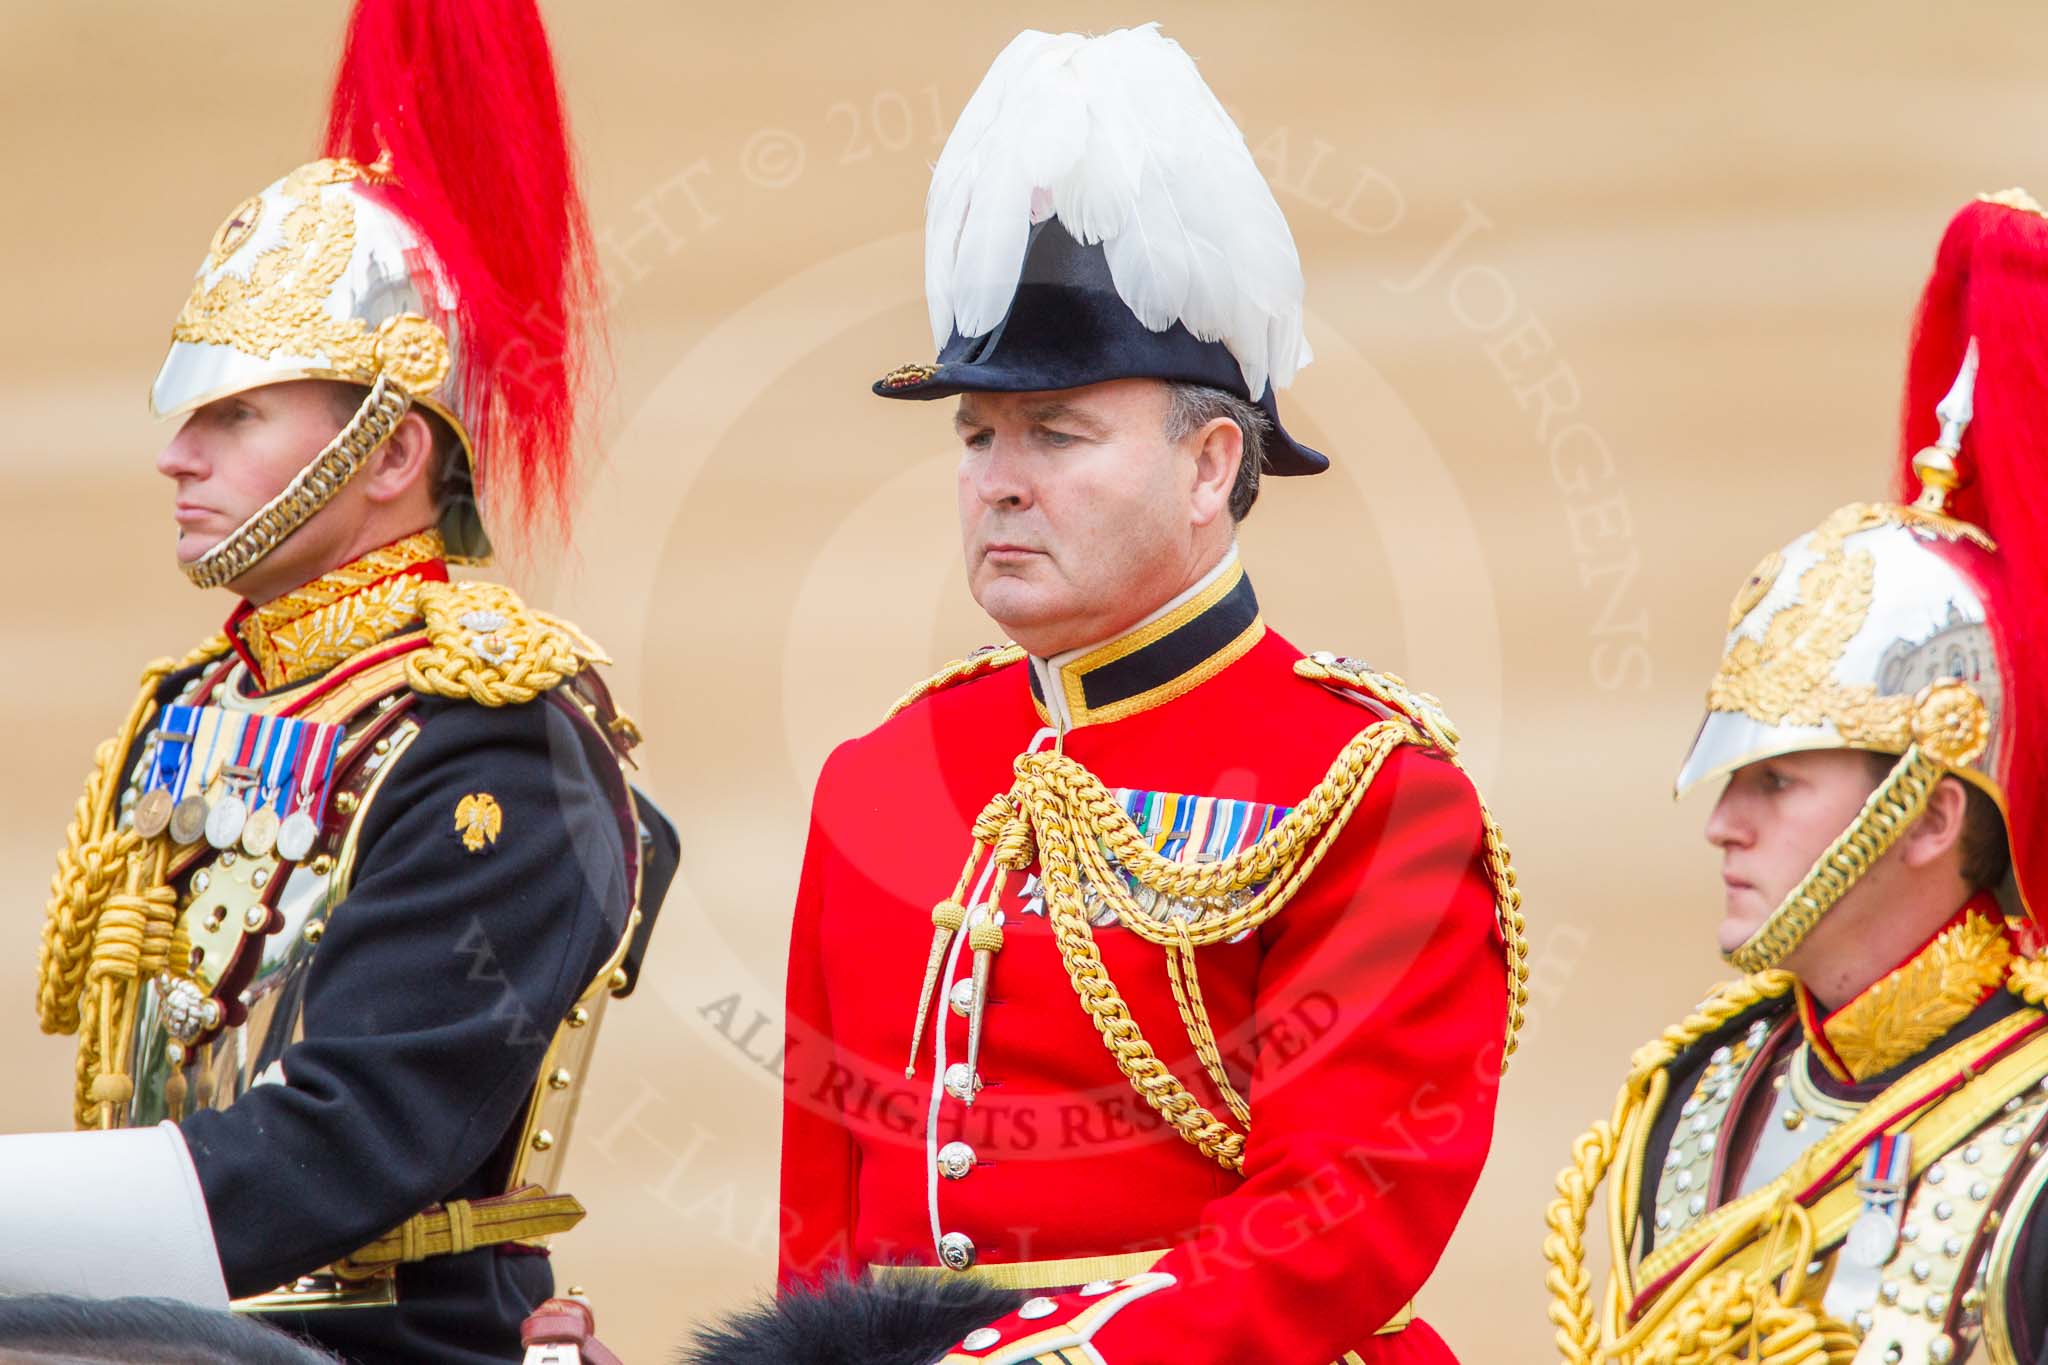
{"points": [[1074, 1270]]}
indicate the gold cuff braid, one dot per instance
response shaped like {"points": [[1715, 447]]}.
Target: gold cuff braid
{"points": [[463, 1225]]}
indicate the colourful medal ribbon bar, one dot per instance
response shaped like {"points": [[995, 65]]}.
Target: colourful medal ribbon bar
{"points": [[259, 831], [1874, 1236], [277, 768], [315, 768], [230, 813], [168, 744], [188, 815]]}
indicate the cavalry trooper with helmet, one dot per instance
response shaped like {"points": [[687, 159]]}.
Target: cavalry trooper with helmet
{"points": [[347, 892], [1840, 1156], [1202, 952]]}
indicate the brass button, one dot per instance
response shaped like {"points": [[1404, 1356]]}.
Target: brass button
{"points": [[961, 1082], [313, 930], [956, 1250], [956, 1159], [559, 1079], [346, 802], [543, 1140], [578, 1017]]}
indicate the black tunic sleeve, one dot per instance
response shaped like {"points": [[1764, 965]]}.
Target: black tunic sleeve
{"points": [[432, 998]]}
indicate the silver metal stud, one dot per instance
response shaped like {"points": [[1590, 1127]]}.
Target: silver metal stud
{"points": [[981, 1338], [1036, 1308]]}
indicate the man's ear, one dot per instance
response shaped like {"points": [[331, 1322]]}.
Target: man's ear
{"points": [[404, 462], [1218, 449], [1939, 828]]}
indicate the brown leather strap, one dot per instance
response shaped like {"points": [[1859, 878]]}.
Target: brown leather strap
{"points": [[465, 1224], [564, 1322]]}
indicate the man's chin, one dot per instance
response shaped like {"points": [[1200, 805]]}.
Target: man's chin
{"points": [[1737, 927], [193, 546]]}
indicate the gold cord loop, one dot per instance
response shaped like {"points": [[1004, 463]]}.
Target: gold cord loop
{"points": [[111, 923], [1625, 1132]]}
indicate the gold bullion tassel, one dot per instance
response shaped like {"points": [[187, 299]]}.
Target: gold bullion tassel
{"points": [[986, 938], [947, 917], [1014, 852]]}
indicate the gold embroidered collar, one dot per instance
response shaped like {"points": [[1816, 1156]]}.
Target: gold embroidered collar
{"points": [[1171, 652], [1911, 1007], [341, 613]]}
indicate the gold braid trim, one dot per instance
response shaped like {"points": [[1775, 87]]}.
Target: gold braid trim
{"points": [[1078, 829], [111, 922], [986, 659], [1627, 1129], [487, 646]]}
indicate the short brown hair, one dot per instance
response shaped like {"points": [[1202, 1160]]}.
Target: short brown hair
{"points": [[1987, 857]]}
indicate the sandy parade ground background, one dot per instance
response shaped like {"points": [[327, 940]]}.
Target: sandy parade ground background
{"points": [[1607, 301]]}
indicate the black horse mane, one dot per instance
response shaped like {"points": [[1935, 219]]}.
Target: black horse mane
{"points": [[57, 1329], [852, 1322]]}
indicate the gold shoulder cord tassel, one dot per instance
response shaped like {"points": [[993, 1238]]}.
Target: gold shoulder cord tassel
{"points": [[1014, 851], [111, 922], [949, 914], [1624, 1136]]}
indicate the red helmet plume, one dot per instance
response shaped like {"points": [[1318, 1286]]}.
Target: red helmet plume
{"points": [[1990, 283], [459, 99]]}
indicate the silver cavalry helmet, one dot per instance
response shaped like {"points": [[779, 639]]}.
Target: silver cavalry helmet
{"points": [[313, 278], [1868, 632]]}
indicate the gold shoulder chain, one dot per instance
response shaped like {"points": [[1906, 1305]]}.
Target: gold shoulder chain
{"points": [[1060, 814], [986, 659]]}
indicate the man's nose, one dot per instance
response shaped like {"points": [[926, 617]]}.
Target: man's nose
{"points": [[1725, 827], [1001, 478], [183, 456]]}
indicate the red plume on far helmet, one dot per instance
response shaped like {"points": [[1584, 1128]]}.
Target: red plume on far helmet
{"points": [[1990, 284], [456, 101]]}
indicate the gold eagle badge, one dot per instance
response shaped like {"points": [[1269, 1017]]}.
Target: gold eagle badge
{"points": [[478, 818]]}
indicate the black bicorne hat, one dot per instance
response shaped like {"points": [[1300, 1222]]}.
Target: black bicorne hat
{"points": [[1067, 327]]}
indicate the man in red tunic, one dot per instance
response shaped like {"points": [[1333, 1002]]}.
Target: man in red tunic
{"points": [[1146, 970]]}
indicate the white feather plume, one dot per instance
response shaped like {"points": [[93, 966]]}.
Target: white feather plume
{"points": [[1118, 136]]}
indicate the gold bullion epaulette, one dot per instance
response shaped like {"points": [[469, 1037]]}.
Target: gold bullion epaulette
{"points": [[207, 650], [987, 659], [1422, 709], [486, 645]]}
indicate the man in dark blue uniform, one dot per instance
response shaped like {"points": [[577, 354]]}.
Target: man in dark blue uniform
{"points": [[346, 894]]}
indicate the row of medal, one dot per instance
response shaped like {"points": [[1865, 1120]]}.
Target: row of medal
{"points": [[237, 779]]}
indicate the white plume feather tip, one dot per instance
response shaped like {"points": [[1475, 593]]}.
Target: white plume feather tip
{"points": [[1122, 138]]}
